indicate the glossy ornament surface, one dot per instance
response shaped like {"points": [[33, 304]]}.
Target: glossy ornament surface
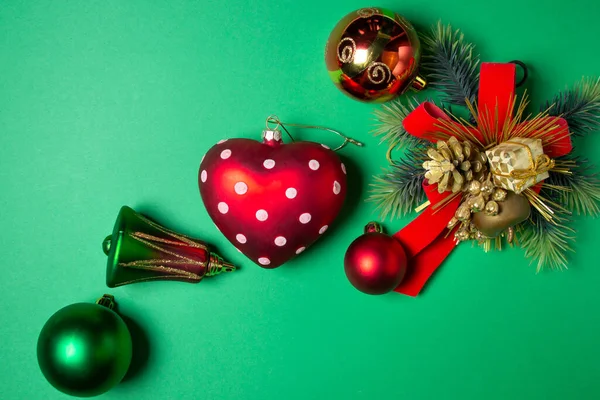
{"points": [[272, 200], [84, 349], [373, 54], [375, 263]]}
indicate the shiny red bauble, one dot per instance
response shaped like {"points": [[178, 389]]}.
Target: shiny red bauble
{"points": [[375, 263], [373, 54], [272, 200]]}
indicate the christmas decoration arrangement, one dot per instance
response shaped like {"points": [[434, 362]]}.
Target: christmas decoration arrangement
{"points": [[272, 200], [84, 349], [141, 250], [499, 176], [477, 167]]}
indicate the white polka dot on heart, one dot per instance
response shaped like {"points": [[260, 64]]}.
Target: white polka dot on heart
{"points": [[280, 241], [314, 165], [203, 176], [300, 250], [305, 218], [240, 188], [268, 164], [343, 168], [241, 238], [323, 229], [325, 146], [225, 154], [221, 141], [264, 261], [262, 215], [337, 188], [290, 193], [223, 207]]}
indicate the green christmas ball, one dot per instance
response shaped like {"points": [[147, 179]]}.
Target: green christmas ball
{"points": [[84, 349]]}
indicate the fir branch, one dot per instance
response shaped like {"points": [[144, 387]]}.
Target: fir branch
{"points": [[449, 64], [389, 124], [580, 106], [399, 190], [547, 242], [582, 188]]}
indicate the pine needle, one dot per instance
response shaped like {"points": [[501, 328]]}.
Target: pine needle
{"points": [[582, 188], [449, 64], [389, 124], [545, 242], [580, 106], [578, 191], [399, 190]]}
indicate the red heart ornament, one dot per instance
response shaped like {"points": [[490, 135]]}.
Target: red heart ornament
{"points": [[272, 200]]}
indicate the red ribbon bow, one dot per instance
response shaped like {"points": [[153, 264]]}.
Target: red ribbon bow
{"points": [[426, 239]]}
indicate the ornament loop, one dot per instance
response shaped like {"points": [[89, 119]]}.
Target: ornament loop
{"points": [[108, 301], [106, 244], [273, 119], [373, 227], [525, 71]]}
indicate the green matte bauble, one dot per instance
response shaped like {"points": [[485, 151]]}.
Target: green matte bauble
{"points": [[512, 211], [84, 349]]}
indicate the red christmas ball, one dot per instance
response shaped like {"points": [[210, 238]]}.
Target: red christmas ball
{"points": [[375, 263]]}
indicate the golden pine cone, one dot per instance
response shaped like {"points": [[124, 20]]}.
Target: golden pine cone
{"points": [[453, 164]]}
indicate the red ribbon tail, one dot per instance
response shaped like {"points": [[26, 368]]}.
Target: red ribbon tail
{"points": [[426, 240], [421, 267]]}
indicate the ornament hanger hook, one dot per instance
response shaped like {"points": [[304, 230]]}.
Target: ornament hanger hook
{"points": [[525, 72], [273, 119]]}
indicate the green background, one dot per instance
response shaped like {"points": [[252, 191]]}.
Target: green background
{"points": [[106, 103]]}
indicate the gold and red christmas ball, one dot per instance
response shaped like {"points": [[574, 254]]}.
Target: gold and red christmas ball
{"points": [[373, 55]]}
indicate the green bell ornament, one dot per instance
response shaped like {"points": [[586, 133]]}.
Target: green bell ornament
{"points": [[141, 250], [85, 349]]}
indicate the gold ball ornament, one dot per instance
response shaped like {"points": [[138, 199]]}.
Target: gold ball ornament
{"points": [[452, 223], [499, 194], [487, 188], [477, 203], [491, 208], [512, 211], [373, 55], [474, 187], [479, 236], [463, 213], [462, 235]]}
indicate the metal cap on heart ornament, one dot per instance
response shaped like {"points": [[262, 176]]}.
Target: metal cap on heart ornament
{"points": [[373, 54], [272, 200]]}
